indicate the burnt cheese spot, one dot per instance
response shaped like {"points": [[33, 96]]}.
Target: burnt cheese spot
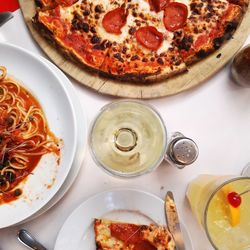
{"points": [[17, 192], [134, 14], [124, 50], [138, 22], [208, 15], [141, 15], [186, 43], [84, 27], [105, 44], [119, 57], [95, 39], [202, 53], [98, 8], [108, 44], [93, 30], [218, 42], [160, 61], [135, 57], [86, 12], [79, 24], [196, 30], [178, 62], [132, 31], [102, 46], [231, 26], [195, 9]]}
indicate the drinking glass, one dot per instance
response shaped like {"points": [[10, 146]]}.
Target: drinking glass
{"points": [[240, 68], [221, 205]]}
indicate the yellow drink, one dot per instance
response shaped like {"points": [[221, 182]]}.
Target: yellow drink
{"points": [[227, 227]]}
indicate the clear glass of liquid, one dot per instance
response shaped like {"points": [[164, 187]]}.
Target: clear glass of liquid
{"points": [[227, 227], [128, 138]]}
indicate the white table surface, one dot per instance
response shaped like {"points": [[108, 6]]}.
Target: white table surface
{"points": [[216, 115]]}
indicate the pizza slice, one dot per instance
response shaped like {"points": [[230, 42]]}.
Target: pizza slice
{"points": [[112, 235], [208, 26]]}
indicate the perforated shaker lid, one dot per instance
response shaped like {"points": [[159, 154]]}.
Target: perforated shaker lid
{"points": [[183, 151]]}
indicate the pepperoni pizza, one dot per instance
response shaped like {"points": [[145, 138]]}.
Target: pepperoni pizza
{"points": [[113, 235], [138, 40]]}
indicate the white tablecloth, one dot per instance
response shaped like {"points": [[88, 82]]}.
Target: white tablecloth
{"points": [[215, 114]]}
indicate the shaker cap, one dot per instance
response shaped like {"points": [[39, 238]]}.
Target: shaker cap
{"points": [[183, 151]]}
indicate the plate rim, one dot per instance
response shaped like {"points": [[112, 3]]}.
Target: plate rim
{"points": [[36, 58]]}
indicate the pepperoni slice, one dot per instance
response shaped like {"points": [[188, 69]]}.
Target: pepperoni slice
{"points": [[175, 16], [128, 233], [149, 37], [158, 5], [114, 20]]}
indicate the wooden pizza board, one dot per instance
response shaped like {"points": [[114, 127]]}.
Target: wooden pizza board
{"points": [[195, 75]]}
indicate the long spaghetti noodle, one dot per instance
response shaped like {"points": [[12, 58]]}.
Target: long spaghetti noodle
{"points": [[24, 136]]}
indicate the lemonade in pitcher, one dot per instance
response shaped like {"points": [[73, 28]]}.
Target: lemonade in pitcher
{"points": [[221, 204]]}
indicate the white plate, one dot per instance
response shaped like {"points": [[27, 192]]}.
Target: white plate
{"points": [[121, 204], [81, 128], [49, 90]]}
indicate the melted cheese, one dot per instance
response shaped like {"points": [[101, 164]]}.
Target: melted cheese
{"points": [[66, 13]]}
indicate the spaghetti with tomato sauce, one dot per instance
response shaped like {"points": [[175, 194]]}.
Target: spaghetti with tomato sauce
{"points": [[24, 136]]}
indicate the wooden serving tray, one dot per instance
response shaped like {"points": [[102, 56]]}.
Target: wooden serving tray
{"points": [[195, 76]]}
